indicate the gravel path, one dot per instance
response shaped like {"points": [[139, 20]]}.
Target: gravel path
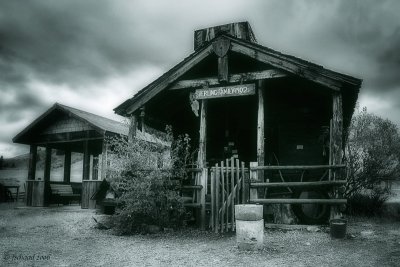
{"points": [[67, 236]]}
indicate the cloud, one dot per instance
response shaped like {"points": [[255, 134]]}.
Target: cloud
{"points": [[94, 54]]}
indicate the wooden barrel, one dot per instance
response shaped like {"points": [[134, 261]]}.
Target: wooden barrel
{"points": [[89, 188], [35, 193]]}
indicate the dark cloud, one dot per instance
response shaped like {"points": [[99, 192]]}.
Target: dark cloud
{"points": [[89, 52]]}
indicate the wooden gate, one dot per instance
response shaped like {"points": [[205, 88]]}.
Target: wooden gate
{"points": [[228, 188]]}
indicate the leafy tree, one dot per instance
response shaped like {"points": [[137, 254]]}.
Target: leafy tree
{"points": [[372, 152], [1, 162]]}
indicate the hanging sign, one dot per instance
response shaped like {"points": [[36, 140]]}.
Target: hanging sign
{"points": [[226, 91]]}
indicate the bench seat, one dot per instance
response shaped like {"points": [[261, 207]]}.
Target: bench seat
{"points": [[63, 193]]}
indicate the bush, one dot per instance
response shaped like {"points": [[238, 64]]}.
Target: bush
{"points": [[367, 203], [147, 179], [373, 158]]}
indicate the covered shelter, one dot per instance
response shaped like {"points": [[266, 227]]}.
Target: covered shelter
{"points": [[69, 131], [273, 112]]}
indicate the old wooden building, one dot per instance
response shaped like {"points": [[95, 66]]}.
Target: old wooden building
{"points": [[69, 131], [253, 110]]}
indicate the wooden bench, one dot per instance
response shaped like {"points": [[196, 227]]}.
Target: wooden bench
{"points": [[63, 193]]}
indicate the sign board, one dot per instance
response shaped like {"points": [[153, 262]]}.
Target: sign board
{"points": [[226, 91]]}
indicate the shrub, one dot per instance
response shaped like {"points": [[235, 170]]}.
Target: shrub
{"points": [[373, 157], [147, 179], [367, 203]]}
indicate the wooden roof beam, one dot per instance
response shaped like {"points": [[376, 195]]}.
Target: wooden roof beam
{"points": [[241, 77], [285, 64], [164, 80]]}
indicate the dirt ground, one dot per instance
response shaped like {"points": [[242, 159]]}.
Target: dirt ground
{"points": [[68, 236]]}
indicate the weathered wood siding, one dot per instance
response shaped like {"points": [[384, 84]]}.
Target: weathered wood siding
{"points": [[89, 188]]}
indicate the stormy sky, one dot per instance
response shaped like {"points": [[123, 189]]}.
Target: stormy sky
{"points": [[94, 54]]}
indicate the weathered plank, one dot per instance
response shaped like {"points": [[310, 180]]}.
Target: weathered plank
{"points": [[234, 78]]}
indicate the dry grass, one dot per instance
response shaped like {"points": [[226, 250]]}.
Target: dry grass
{"points": [[68, 235]]}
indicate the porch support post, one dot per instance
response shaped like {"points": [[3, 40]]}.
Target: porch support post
{"points": [[32, 162], [47, 164], [201, 162], [31, 174], [142, 115], [67, 166], [104, 160], [133, 127], [336, 142], [47, 170], [86, 161], [201, 158], [260, 127]]}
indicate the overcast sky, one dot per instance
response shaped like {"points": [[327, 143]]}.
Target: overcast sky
{"points": [[94, 54]]}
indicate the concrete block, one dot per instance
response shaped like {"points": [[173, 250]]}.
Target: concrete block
{"points": [[249, 212], [250, 234]]}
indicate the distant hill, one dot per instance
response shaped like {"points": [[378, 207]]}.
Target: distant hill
{"points": [[22, 161]]}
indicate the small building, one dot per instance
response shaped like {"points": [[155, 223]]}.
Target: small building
{"points": [[283, 117], [70, 131]]}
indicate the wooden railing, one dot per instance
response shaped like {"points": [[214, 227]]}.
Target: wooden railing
{"points": [[332, 182]]}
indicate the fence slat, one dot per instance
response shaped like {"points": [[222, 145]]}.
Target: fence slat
{"points": [[232, 193], [217, 198], [223, 198], [227, 195], [243, 185], [212, 200], [237, 182]]}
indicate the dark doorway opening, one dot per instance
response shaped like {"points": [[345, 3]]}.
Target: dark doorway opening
{"points": [[232, 129]]}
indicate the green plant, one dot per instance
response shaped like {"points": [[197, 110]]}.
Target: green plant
{"points": [[147, 179], [372, 154], [367, 203]]}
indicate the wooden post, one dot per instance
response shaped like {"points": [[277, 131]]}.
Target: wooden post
{"points": [[104, 160], [216, 216], [142, 115], [67, 166], [47, 165], [253, 179], [32, 162], [260, 130], [31, 174], [201, 158], [336, 142], [132, 127], [47, 170], [86, 161], [203, 182], [95, 167]]}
